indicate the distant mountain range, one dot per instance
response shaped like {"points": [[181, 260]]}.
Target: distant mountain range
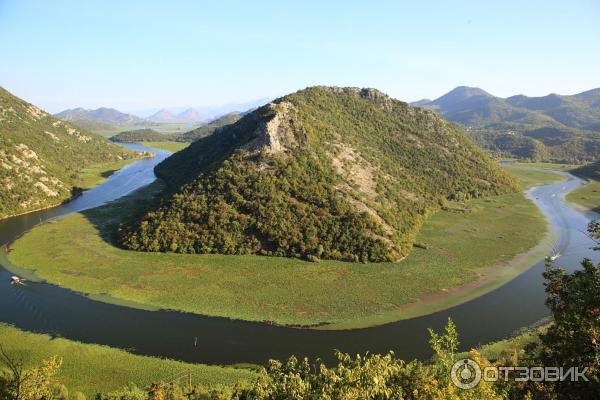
{"points": [[189, 115], [206, 113], [556, 127], [476, 107], [108, 118]]}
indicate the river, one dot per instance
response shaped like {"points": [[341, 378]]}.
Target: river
{"points": [[42, 307]]}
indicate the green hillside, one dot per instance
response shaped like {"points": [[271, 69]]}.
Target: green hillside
{"points": [[549, 128], [333, 173], [41, 156]]}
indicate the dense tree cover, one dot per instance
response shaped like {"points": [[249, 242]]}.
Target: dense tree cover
{"points": [[41, 156], [322, 173], [243, 209], [143, 135]]}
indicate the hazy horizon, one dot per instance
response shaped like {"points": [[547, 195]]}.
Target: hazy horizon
{"points": [[142, 56]]}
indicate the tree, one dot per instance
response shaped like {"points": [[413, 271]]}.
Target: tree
{"points": [[36, 383]]}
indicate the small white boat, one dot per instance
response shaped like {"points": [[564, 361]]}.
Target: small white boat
{"points": [[554, 257], [15, 280]]}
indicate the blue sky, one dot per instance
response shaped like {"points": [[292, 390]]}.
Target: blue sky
{"points": [[135, 55]]}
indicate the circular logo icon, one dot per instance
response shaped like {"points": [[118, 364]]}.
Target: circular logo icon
{"points": [[465, 373]]}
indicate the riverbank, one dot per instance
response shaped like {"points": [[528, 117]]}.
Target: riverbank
{"points": [[463, 251], [90, 368]]}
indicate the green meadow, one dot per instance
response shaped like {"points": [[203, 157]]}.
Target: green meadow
{"points": [[462, 251], [90, 368]]}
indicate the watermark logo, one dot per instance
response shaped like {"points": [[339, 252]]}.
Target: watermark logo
{"points": [[466, 374]]}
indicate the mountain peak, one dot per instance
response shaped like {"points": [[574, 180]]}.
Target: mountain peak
{"points": [[461, 93], [162, 115], [192, 115]]}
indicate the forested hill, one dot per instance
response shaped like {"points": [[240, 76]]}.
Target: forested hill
{"points": [[334, 173], [40, 156]]}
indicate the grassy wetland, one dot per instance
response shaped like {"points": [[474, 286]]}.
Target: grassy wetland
{"points": [[90, 368]]}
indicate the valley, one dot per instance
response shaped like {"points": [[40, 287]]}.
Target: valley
{"points": [[466, 254], [299, 200]]}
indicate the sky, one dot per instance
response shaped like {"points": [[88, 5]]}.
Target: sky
{"points": [[138, 55]]}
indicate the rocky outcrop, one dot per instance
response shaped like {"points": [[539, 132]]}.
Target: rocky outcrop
{"points": [[277, 134]]}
